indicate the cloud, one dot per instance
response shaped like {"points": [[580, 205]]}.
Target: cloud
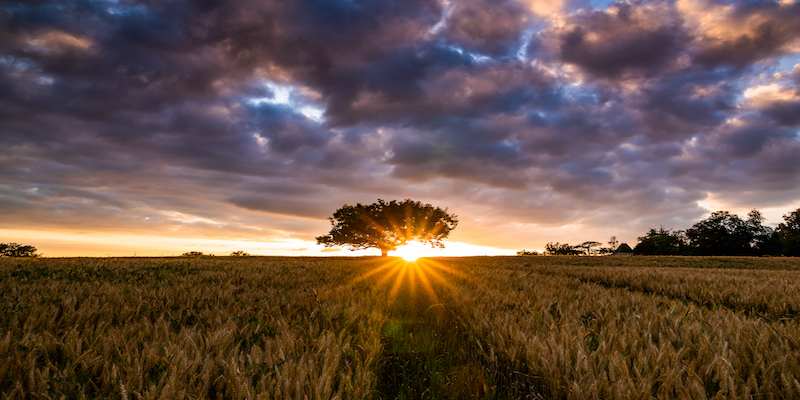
{"points": [[258, 119], [767, 95], [740, 34], [56, 41], [486, 27], [776, 102], [622, 41]]}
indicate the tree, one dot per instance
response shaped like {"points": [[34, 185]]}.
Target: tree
{"points": [[764, 239], [789, 233], [586, 247], [558, 249], [722, 233], [388, 225], [612, 243], [524, 252], [239, 253], [606, 250], [792, 221], [17, 250], [661, 242]]}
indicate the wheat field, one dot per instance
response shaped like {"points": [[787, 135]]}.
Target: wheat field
{"points": [[354, 328]]}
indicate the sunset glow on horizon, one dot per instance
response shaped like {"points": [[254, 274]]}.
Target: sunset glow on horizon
{"points": [[160, 128], [59, 244]]}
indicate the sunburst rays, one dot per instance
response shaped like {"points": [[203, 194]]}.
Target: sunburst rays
{"points": [[423, 276]]}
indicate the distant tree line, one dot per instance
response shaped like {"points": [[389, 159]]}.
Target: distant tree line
{"points": [[726, 234], [17, 250], [721, 234], [237, 253], [586, 248], [565, 249]]}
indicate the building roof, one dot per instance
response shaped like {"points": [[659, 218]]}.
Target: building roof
{"points": [[624, 248]]}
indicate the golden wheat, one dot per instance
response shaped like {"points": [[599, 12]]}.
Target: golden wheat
{"points": [[575, 339], [535, 327], [773, 295], [154, 328]]}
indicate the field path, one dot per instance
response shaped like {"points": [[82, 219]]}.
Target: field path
{"points": [[426, 352]]}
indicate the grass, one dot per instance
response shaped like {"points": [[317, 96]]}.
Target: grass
{"points": [[493, 327]]}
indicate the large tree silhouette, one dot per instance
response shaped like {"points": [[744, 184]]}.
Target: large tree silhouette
{"points": [[722, 233], [388, 225]]}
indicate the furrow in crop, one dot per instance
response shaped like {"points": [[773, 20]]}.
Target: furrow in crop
{"points": [[768, 302], [428, 353]]}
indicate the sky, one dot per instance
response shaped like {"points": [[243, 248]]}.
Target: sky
{"points": [[159, 127]]}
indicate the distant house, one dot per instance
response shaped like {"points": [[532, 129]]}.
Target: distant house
{"points": [[624, 250]]}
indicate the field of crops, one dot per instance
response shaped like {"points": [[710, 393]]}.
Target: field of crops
{"points": [[324, 328]]}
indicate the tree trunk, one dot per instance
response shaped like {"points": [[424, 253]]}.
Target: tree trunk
{"points": [[384, 252]]}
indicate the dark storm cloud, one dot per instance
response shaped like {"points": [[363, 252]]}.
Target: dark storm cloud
{"points": [[784, 113], [634, 40], [751, 140], [486, 27], [678, 97], [679, 106], [459, 148], [225, 114], [317, 42], [627, 41]]}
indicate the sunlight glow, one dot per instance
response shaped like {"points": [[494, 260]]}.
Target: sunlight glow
{"points": [[413, 251], [117, 244], [400, 276], [410, 257]]}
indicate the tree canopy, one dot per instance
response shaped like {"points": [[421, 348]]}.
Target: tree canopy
{"points": [[722, 233], [388, 225], [586, 247], [789, 233], [17, 250], [662, 242]]}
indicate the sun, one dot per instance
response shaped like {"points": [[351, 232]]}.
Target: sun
{"points": [[410, 257], [407, 254], [412, 251]]}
